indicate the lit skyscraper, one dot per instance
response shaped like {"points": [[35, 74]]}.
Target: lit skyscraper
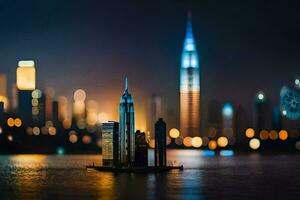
{"points": [[189, 85], [26, 83], [126, 129]]}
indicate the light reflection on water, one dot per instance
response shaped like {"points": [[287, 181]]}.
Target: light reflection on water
{"points": [[205, 177]]}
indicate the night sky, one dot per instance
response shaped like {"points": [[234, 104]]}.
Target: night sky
{"points": [[244, 47]]}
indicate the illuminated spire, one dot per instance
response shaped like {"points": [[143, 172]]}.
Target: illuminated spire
{"points": [[189, 29], [189, 52], [126, 85]]}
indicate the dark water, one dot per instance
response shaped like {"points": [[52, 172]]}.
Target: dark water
{"points": [[239, 177]]}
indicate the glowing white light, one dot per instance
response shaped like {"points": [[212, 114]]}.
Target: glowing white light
{"points": [[194, 62], [261, 96], [254, 143], [284, 112], [26, 63], [227, 110], [190, 47], [186, 62]]}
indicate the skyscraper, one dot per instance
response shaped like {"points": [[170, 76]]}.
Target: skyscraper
{"points": [[141, 149], [189, 85], [110, 144], [154, 112], [26, 84], [160, 152], [126, 129]]}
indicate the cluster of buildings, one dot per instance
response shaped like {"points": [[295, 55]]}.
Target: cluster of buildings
{"points": [[123, 147], [31, 119]]}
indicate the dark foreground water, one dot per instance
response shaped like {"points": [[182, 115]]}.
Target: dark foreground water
{"points": [[205, 177]]}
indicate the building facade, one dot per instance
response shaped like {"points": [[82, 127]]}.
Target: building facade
{"points": [[126, 129], [110, 153], [141, 149], [189, 86], [160, 151]]}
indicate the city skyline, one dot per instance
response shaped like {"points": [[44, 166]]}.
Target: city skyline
{"points": [[219, 48]]}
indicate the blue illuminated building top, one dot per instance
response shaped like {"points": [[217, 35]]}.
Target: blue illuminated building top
{"points": [[189, 53]]}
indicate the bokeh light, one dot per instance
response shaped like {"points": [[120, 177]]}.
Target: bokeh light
{"points": [[174, 133], [18, 122], [79, 95], [283, 134], [273, 135], [250, 133], [73, 138], [222, 141], [196, 142], [36, 130], [86, 139], [102, 117], [212, 145], [264, 134], [254, 143], [52, 130], [187, 141], [10, 122]]}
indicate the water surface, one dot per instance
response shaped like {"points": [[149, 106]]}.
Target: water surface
{"points": [[250, 176]]}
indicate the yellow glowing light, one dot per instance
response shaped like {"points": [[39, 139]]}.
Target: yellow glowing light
{"points": [[152, 143], [91, 118], [174, 133], [5, 101], [79, 95], [86, 139], [73, 138], [250, 133], [36, 130], [283, 135], [187, 141], [79, 107], [18, 122], [52, 130], [254, 143], [102, 117], [264, 134], [212, 145], [222, 141], [1, 130], [196, 142], [273, 135], [10, 122], [34, 102], [26, 75], [67, 124]]}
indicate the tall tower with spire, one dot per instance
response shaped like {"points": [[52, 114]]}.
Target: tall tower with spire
{"points": [[126, 129], [189, 85]]}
